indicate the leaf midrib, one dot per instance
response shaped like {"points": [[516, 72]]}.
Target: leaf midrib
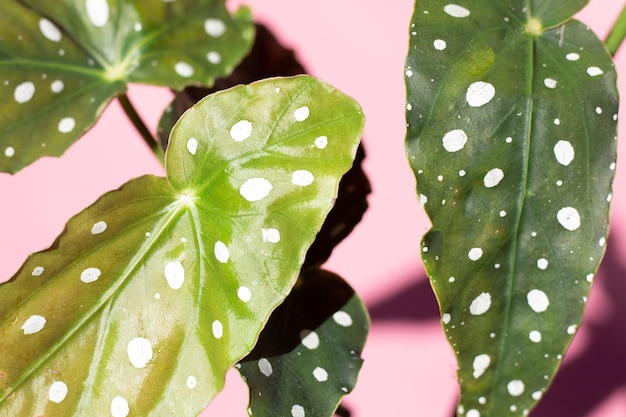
{"points": [[504, 340]]}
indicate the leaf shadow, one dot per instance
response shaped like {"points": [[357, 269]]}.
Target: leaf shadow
{"points": [[413, 302], [581, 385]]}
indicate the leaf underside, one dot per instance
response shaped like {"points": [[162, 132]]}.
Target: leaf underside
{"points": [[511, 113], [308, 356], [62, 62], [154, 292]]}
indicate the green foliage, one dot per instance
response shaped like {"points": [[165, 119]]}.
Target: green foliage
{"points": [[62, 62], [154, 292], [307, 357], [511, 112]]}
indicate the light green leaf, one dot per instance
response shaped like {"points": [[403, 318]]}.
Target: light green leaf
{"points": [[62, 62], [308, 356], [512, 137], [154, 292]]}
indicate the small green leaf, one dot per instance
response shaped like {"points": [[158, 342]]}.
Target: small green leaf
{"points": [[153, 293], [268, 58], [62, 62], [307, 357], [512, 137]]}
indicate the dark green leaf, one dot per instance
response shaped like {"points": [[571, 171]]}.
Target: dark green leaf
{"points": [[62, 62], [268, 58], [154, 292], [307, 357], [512, 137]]}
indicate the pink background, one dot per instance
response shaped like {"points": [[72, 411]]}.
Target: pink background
{"points": [[409, 370]]}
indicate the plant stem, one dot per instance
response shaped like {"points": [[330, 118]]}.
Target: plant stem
{"points": [[134, 117], [617, 34]]}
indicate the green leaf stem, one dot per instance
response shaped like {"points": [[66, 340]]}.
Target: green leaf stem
{"points": [[62, 62], [154, 292], [511, 112]]}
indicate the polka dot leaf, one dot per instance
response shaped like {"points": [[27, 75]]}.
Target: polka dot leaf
{"points": [[308, 355], [62, 62], [511, 115], [151, 294]]}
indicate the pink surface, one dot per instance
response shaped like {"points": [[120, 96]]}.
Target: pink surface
{"points": [[359, 47]]}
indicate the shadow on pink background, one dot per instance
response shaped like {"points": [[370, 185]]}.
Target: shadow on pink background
{"points": [[409, 369]]}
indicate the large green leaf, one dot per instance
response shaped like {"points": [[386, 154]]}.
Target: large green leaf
{"points": [[512, 137], [62, 62], [308, 356], [154, 292]]}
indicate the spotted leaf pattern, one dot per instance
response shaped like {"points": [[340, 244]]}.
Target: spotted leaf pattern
{"points": [[62, 62], [154, 292], [511, 113], [308, 356]]}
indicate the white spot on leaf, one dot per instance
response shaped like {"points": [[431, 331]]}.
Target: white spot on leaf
{"points": [[241, 130], [214, 57], [564, 152], [98, 12], [270, 235], [569, 218], [480, 93], [301, 114], [217, 329], [472, 413], [255, 189], [99, 227], [192, 145], [214, 27], [572, 56], [9, 151], [174, 274], [265, 367], [538, 301], [480, 365], [542, 263], [184, 69], [550, 83], [454, 140], [493, 177], [139, 352], [244, 294], [119, 407], [221, 252], [455, 10], [90, 275], [440, 44], [320, 374], [38, 271], [342, 318], [309, 339], [24, 92], [515, 388], [49, 30], [594, 71], [535, 336], [302, 178], [34, 324], [481, 304], [475, 254], [191, 382], [66, 125], [321, 142], [57, 392], [297, 411], [445, 318]]}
